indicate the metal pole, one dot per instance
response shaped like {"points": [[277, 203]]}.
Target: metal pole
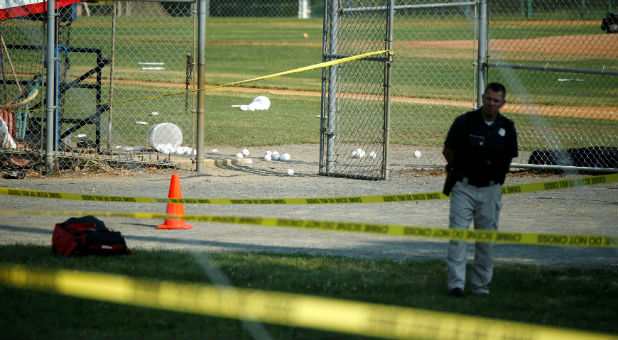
{"points": [[565, 168], [482, 53], [349, 9], [201, 56], [50, 88], [387, 90], [111, 79], [332, 88], [303, 9], [323, 114], [553, 69]]}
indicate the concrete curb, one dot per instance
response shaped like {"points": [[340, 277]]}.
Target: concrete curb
{"points": [[190, 164]]}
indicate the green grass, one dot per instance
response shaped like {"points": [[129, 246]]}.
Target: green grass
{"points": [[293, 120], [573, 298], [290, 119]]}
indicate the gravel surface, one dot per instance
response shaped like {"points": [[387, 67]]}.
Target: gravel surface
{"points": [[583, 210]]}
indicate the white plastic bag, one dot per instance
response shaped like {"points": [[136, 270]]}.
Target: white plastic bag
{"points": [[6, 141]]}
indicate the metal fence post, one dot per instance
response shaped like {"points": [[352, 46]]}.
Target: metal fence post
{"points": [[50, 88], [200, 84], [387, 90], [482, 53], [332, 87], [304, 12], [111, 77]]}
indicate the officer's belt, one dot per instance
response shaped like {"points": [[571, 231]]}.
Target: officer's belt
{"points": [[477, 182]]}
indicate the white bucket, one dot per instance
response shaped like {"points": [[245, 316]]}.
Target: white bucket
{"points": [[164, 137]]}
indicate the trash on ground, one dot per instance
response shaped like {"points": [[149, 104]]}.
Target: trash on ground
{"points": [[259, 103]]}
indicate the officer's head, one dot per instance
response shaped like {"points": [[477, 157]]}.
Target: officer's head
{"points": [[493, 100]]}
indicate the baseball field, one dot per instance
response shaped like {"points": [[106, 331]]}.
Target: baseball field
{"points": [[423, 65], [539, 291]]}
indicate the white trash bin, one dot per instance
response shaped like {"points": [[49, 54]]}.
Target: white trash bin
{"points": [[164, 137]]}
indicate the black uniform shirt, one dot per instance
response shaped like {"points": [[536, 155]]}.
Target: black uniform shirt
{"points": [[482, 152]]}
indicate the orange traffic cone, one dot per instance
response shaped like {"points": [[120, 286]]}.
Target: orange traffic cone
{"points": [[175, 209]]}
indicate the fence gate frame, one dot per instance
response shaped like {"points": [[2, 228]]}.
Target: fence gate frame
{"points": [[331, 157]]}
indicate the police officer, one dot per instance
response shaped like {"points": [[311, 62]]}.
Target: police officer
{"points": [[478, 149]]}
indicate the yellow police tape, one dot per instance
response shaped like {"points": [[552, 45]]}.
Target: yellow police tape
{"points": [[426, 196], [270, 76], [366, 319], [573, 240]]}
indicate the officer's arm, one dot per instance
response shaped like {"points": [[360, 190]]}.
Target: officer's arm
{"points": [[449, 155]]}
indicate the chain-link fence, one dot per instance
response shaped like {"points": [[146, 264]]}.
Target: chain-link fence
{"points": [[432, 81], [266, 8], [559, 66], [433, 72], [106, 53], [557, 62], [561, 70], [252, 8]]}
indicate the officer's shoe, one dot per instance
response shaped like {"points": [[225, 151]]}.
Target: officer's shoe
{"points": [[480, 292], [456, 292]]}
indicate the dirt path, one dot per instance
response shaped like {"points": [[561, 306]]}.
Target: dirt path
{"points": [[588, 45]]}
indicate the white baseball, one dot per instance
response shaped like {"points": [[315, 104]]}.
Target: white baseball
{"points": [[417, 154], [245, 152], [290, 172], [239, 155]]}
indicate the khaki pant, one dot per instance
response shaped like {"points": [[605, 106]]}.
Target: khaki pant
{"points": [[482, 205]]}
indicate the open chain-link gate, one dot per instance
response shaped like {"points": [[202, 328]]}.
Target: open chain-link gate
{"points": [[355, 113]]}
